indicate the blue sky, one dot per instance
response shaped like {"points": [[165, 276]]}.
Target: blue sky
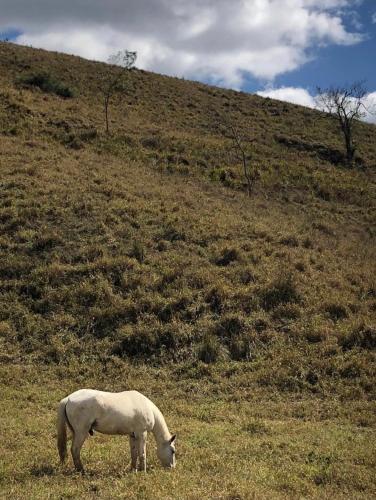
{"points": [[337, 64], [279, 48]]}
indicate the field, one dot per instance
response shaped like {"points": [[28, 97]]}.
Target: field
{"points": [[234, 442], [137, 260]]}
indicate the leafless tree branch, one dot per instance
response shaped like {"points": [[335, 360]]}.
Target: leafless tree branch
{"points": [[251, 172], [347, 104]]}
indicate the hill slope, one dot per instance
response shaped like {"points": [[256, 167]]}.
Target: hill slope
{"points": [[131, 243], [137, 260]]}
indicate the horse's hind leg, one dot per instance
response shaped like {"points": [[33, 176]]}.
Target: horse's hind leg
{"points": [[141, 442], [78, 441], [134, 452]]}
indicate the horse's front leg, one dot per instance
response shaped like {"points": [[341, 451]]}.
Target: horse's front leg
{"points": [[134, 453], [141, 441]]}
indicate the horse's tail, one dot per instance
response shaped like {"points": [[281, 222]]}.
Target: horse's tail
{"points": [[62, 429]]}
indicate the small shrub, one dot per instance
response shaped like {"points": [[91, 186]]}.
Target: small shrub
{"points": [[163, 245], [227, 256], [172, 308], [336, 311], [239, 347], [320, 467], [105, 320], [287, 311], [210, 349], [247, 276], [231, 329], [45, 242], [229, 326], [363, 336], [281, 291], [314, 336], [138, 341], [151, 338], [216, 298], [352, 369], [46, 83], [170, 233], [95, 291], [88, 134], [300, 266], [324, 192], [312, 377], [225, 176], [290, 241], [129, 140], [324, 228], [308, 243], [137, 251], [151, 142], [260, 324]]}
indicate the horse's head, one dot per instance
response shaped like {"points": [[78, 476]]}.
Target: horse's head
{"points": [[166, 452]]}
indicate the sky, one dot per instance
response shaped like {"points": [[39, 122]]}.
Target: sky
{"points": [[278, 48]]}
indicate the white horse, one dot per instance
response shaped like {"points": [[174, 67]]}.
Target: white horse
{"points": [[127, 413]]}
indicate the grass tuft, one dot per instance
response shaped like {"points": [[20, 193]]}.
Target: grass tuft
{"points": [[282, 290], [363, 336]]}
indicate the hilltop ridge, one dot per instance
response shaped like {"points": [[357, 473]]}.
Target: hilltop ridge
{"points": [[179, 123]]}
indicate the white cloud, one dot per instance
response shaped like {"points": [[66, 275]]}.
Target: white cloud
{"points": [[298, 95], [371, 107], [215, 40], [295, 95], [374, 18]]}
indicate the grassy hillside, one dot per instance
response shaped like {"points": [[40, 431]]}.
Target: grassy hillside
{"points": [[138, 260]]}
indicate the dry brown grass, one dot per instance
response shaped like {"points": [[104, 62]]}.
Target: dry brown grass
{"points": [[143, 247]]}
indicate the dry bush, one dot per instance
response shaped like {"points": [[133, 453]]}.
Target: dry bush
{"points": [[280, 291], [210, 349], [362, 336]]}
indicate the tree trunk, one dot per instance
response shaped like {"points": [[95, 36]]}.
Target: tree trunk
{"points": [[106, 103], [246, 173], [350, 149]]}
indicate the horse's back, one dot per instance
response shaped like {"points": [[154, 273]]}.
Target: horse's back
{"points": [[82, 395], [132, 398], [113, 412]]}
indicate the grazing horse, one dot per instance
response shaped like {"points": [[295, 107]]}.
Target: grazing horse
{"points": [[129, 412]]}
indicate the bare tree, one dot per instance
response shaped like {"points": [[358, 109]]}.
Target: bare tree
{"points": [[347, 104], [113, 79], [250, 171]]}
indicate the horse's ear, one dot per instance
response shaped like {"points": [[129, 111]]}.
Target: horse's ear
{"points": [[172, 439]]}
